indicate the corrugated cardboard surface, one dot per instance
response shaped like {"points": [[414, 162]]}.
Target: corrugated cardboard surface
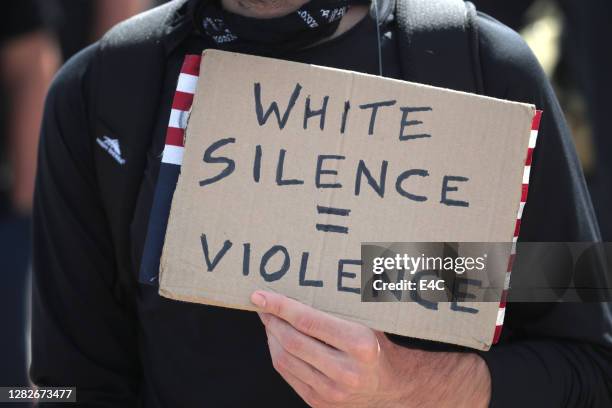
{"points": [[482, 139]]}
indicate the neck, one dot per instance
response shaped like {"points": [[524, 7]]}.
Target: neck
{"points": [[264, 9]]}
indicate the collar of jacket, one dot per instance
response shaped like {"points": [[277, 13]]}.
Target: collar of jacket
{"points": [[178, 24]]}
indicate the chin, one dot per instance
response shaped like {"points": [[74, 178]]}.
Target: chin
{"points": [[270, 8]]}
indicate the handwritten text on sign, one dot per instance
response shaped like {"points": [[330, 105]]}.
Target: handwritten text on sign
{"points": [[366, 175]]}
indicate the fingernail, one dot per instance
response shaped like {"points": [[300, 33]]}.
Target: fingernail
{"points": [[258, 299]]}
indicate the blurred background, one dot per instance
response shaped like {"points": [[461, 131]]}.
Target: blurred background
{"points": [[571, 39]]}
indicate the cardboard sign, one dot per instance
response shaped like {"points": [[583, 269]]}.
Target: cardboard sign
{"points": [[289, 167]]}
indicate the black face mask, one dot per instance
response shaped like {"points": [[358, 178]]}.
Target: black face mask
{"points": [[311, 23]]}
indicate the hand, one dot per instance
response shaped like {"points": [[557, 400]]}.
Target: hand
{"points": [[331, 362]]}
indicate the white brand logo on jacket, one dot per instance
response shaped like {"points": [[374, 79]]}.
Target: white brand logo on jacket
{"points": [[112, 147]]}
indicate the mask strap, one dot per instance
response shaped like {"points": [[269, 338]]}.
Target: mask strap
{"points": [[377, 18]]}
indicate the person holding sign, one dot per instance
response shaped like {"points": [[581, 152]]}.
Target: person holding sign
{"points": [[122, 345]]}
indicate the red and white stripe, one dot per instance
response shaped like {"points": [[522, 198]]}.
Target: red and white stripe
{"points": [[181, 104], [535, 125]]}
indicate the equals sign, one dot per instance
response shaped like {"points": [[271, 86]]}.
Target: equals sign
{"points": [[342, 212]]}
